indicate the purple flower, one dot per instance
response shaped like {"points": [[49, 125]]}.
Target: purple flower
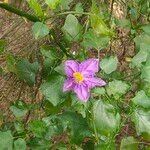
{"points": [[81, 77]]}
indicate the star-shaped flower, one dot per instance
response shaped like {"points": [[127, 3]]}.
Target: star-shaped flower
{"points": [[81, 77]]}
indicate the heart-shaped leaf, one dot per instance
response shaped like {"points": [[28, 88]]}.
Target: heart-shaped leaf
{"points": [[40, 30], [106, 118], [109, 64], [72, 29]]}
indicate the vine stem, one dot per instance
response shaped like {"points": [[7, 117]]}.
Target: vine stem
{"points": [[19, 12], [93, 124], [70, 12], [34, 19]]}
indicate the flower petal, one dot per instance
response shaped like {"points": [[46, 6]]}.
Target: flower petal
{"points": [[82, 92], [90, 66], [71, 66], [92, 82], [68, 85]]}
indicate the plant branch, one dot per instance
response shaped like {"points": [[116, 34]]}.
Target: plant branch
{"points": [[34, 19], [19, 12]]}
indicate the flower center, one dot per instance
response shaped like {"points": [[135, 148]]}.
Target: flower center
{"points": [[78, 77]]}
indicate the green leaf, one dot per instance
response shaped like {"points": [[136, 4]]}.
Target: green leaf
{"points": [[65, 4], [129, 143], [49, 52], [109, 64], [146, 71], [51, 57], [6, 140], [2, 46], [117, 87], [92, 40], [99, 91], [19, 109], [11, 63], [52, 89], [106, 119], [27, 71], [54, 127], [40, 144], [78, 106], [40, 30], [35, 5], [99, 27], [19, 126], [105, 146], [20, 144], [77, 126], [141, 119], [141, 99], [60, 69], [146, 28], [37, 127], [125, 23], [79, 9], [52, 3], [141, 56], [72, 29], [142, 38]]}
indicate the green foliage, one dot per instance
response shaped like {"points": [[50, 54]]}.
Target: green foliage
{"points": [[146, 71], [40, 30], [60, 69], [40, 144], [79, 9], [141, 56], [6, 140], [141, 119], [79, 106], [98, 25], [72, 28], [146, 28], [109, 65], [64, 4], [78, 30], [19, 109], [35, 5], [106, 118], [129, 143], [113, 89], [20, 144], [141, 99], [52, 89], [92, 40], [2, 46], [124, 23], [99, 91], [77, 125], [11, 63], [27, 71], [52, 3], [142, 38], [37, 127]]}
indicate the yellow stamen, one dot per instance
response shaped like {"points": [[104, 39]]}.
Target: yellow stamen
{"points": [[78, 77]]}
